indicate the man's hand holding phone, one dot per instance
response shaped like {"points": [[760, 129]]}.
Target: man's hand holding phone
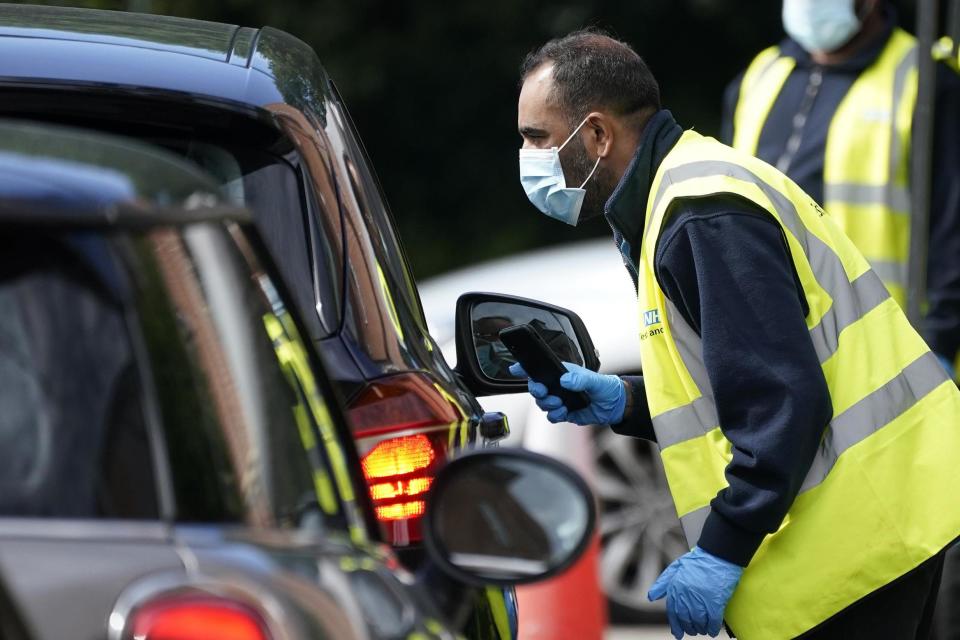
{"points": [[607, 395]]}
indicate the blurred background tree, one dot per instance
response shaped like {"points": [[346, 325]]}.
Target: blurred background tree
{"points": [[432, 87]]}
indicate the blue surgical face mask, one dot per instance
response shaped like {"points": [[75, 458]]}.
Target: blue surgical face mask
{"points": [[820, 25], [542, 178]]}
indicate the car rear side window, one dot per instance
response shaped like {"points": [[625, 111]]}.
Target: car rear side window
{"points": [[275, 191], [73, 438]]}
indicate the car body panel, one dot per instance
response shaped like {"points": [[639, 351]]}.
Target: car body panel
{"points": [[47, 568]]}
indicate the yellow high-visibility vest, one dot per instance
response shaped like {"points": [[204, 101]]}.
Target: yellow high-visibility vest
{"points": [[881, 496], [866, 169]]}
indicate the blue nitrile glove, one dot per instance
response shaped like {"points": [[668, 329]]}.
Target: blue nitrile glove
{"points": [[698, 586], [947, 366], [607, 396]]}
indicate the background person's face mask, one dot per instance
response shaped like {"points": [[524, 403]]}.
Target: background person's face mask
{"points": [[542, 178], [820, 25]]}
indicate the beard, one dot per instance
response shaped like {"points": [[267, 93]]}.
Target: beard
{"points": [[576, 167]]}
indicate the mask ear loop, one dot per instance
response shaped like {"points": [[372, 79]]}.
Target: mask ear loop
{"points": [[597, 164], [579, 126], [593, 171]]}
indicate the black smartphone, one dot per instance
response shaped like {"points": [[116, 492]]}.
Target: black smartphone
{"points": [[541, 363]]}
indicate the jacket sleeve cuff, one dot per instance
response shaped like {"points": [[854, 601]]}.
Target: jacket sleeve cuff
{"points": [[636, 422], [727, 541]]}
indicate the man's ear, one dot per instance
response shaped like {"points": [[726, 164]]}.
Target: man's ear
{"points": [[600, 134]]}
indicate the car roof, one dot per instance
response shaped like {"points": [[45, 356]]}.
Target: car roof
{"points": [[164, 33], [52, 174], [48, 47]]}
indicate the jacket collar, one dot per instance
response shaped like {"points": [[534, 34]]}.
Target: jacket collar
{"points": [[626, 208]]}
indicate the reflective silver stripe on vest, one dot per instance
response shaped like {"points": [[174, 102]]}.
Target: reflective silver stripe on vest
{"points": [[891, 271], [869, 291], [687, 422], [897, 199], [698, 417], [692, 524], [874, 412]]}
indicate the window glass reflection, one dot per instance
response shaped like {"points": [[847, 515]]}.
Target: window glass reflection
{"points": [[489, 318], [73, 442], [515, 514]]}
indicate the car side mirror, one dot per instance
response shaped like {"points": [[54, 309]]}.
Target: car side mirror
{"points": [[507, 516], [482, 359]]}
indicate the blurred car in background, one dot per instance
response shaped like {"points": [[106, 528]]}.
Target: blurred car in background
{"points": [[639, 529], [175, 463], [257, 111]]}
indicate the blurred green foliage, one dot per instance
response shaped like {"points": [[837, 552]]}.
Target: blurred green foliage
{"points": [[432, 86]]}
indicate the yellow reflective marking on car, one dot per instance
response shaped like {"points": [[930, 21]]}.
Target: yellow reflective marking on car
{"points": [[498, 607], [324, 489], [435, 627], [391, 307], [303, 424], [326, 497], [291, 352], [293, 360], [462, 426], [416, 635]]}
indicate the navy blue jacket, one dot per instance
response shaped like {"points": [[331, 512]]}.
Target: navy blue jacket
{"points": [[941, 327], [724, 263]]}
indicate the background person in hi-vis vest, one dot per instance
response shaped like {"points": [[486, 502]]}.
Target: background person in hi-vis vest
{"points": [[809, 436], [832, 106]]}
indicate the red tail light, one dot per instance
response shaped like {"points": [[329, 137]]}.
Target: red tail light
{"points": [[196, 618], [403, 425]]}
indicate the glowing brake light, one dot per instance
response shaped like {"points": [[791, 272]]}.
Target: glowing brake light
{"points": [[403, 462], [402, 425], [402, 511], [196, 618], [398, 457], [387, 490]]}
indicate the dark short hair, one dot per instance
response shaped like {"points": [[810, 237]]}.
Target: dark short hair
{"points": [[592, 70]]}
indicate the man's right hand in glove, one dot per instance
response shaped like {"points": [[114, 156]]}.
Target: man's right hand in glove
{"points": [[608, 396]]}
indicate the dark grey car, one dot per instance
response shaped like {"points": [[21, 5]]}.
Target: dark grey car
{"points": [[174, 461]]}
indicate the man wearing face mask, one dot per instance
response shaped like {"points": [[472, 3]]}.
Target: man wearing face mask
{"points": [[832, 106], [808, 434]]}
